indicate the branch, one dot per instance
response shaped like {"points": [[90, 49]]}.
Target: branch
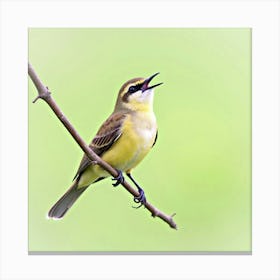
{"points": [[45, 94]]}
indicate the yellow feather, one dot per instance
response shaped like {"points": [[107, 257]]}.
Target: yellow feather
{"points": [[138, 134]]}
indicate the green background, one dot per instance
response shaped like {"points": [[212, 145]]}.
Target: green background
{"points": [[200, 167]]}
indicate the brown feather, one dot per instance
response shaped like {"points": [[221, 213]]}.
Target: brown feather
{"points": [[107, 134]]}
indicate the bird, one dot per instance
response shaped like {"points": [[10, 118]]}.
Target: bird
{"points": [[123, 140]]}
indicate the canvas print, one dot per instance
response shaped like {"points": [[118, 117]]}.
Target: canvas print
{"points": [[170, 110]]}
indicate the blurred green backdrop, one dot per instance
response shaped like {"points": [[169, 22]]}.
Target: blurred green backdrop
{"points": [[200, 167]]}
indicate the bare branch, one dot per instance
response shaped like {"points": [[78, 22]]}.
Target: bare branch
{"points": [[45, 94]]}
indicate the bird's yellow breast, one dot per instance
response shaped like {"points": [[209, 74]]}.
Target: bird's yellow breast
{"points": [[138, 135]]}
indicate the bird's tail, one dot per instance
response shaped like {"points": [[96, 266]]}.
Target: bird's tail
{"points": [[66, 201]]}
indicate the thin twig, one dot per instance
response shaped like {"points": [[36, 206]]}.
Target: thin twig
{"points": [[45, 94]]}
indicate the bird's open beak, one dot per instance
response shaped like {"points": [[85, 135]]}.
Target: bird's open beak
{"points": [[146, 86]]}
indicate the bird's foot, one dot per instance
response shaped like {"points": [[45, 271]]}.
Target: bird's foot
{"points": [[119, 179], [140, 199]]}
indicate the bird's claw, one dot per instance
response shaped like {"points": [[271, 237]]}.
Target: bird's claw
{"points": [[119, 179], [140, 199]]}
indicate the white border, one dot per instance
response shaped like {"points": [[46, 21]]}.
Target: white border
{"points": [[262, 16]]}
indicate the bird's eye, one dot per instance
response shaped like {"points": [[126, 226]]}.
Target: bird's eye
{"points": [[132, 89]]}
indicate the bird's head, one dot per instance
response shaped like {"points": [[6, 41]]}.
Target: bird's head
{"points": [[137, 94]]}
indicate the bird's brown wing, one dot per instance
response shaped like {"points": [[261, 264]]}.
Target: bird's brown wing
{"points": [[107, 134]]}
